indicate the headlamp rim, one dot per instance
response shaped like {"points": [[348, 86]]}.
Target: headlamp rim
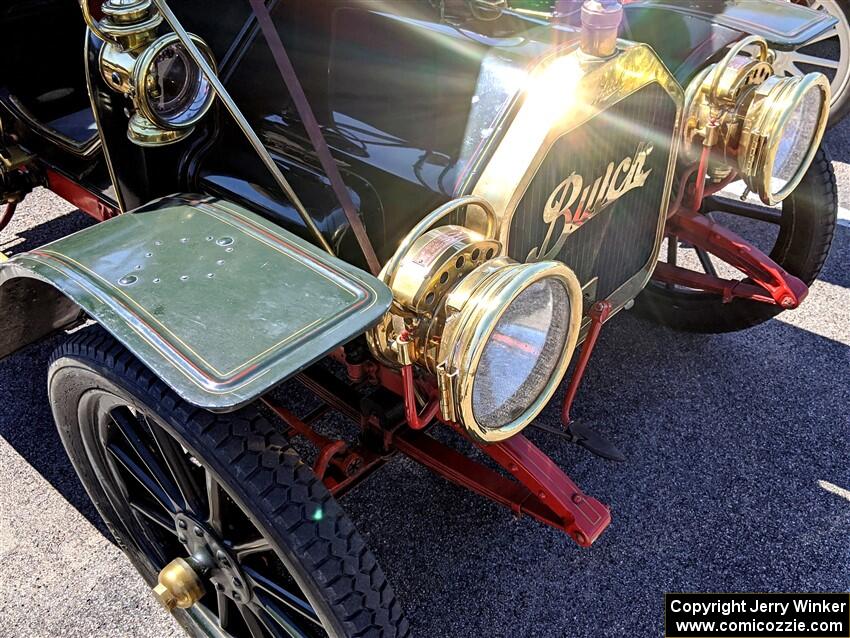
{"points": [[466, 338], [141, 71], [775, 102]]}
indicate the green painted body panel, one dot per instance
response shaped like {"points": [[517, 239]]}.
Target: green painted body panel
{"points": [[217, 301]]}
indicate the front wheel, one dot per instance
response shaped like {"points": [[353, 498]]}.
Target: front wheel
{"points": [[797, 236], [274, 553]]}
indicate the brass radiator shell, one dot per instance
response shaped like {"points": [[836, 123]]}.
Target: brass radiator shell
{"points": [[567, 91]]}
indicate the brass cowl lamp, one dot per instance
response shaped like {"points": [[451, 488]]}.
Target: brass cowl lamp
{"points": [[170, 94]]}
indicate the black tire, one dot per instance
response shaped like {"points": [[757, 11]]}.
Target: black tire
{"points": [[304, 527], [809, 216]]}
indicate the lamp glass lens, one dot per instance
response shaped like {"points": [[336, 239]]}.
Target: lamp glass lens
{"points": [[796, 140], [177, 91], [521, 355]]}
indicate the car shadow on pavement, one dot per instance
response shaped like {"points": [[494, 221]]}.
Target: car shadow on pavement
{"points": [[13, 241], [837, 268], [26, 424], [837, 141]]}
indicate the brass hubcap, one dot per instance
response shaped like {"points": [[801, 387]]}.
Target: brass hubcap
{"points": [[228, 579], [179, 585]]}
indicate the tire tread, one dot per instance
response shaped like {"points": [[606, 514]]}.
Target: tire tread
{"points": [[330, 550]]}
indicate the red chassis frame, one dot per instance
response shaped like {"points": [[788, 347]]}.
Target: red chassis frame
{"points": [[90, 202], [540, 489], [93, 204]]}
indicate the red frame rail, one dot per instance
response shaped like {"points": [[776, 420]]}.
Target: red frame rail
{"points": [[599, 314], [768, 281], [539, 488], [84, 199]]}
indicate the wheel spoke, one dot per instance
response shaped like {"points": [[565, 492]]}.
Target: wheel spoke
{"points": [[213, 503], [672, 249], [223, 610], [258, 546], [278, 623], [814, 60], [288, 599], [142, 476], [793, 69], [155, 517], [175, 461], [705, 260], [255, 627], [129, 427], [744, 209]]}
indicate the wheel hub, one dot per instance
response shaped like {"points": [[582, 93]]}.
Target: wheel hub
{"points": [[179, 585], [212, 557]]}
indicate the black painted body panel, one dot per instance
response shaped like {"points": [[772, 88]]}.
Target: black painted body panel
{"points": [[392, 88], [392, 94]]}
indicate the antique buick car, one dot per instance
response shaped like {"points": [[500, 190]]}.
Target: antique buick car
{"points": [[423, 211]]}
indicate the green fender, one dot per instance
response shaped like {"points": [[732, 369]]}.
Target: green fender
{"points": [[218, 302]]}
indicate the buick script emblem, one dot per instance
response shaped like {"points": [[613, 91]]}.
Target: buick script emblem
{"points": [[576, 203]]}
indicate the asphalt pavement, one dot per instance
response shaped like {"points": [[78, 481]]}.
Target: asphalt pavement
{"points": [[737, 479]]}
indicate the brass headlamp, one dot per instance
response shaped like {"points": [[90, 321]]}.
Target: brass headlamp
{"points": [[498, 335], [170, 94], [764, 126]]}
